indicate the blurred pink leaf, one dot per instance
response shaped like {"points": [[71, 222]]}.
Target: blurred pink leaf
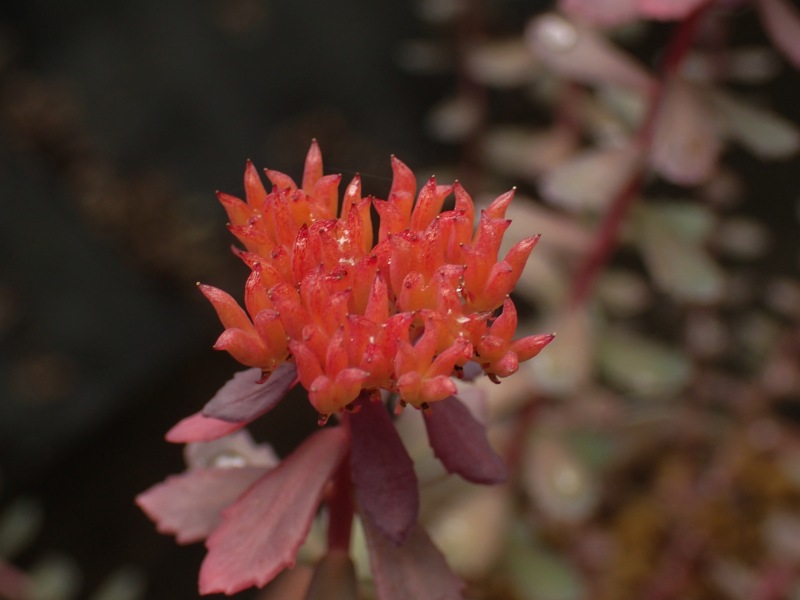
{"points": [[412, 571], [686, 140], [557, 480], [263, 530], [235, 450], [503, 64], [198, 428], [782, 21], [592, 178], [14, 584], [243, 398], [580, 53], [568, 364], [527, 153], [602, 12], [383, 473], [459, 441], [190, 505], [669, 9]]}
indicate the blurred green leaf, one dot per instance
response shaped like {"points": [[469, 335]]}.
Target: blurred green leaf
{"points": [[641, 366]]}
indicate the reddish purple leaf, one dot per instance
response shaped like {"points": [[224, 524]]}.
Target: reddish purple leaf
{"points": [[460, 442], [263, 530], [14, 584], [383, 473], [198, 428], [669, 9], [190, 505], [243, 399], [412, 571], [782, 21]]}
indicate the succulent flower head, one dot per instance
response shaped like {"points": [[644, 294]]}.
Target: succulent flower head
{"points": [[402, 314]]}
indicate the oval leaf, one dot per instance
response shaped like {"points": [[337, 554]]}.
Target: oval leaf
{"points": [[414, 570], [459, 442], [782, 20], [642, 366], [383, 473], [262, 531], [190, 505], [578, 52], [243, 398]]}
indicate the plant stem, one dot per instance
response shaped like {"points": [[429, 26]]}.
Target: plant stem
{"points": [[606, 239], [341, 508]]}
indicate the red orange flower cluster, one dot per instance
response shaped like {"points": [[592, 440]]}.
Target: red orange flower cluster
{"points": [[402, 315]]}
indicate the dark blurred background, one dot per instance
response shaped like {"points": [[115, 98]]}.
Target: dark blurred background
{"points": [[118, 122]]}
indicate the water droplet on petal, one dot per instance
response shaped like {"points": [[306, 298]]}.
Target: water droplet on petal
{"points": [[322, 419]]}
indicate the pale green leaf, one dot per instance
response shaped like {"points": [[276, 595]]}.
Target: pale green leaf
{"points": [[641, 366]]}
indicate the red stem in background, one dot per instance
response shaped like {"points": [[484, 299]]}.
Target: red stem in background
{"points": [[608, 233], [341, 506]]}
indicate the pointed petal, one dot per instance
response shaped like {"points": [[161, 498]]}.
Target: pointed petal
{"points": [[245, 346], [326, 196], [505, 324], [404, 186], [383, 473], [230, 313], [253, 187], [377, 309], [497, 209], [280, 181], [352, 195], [238, 212], [313, 167], [782, 20], [460, 442], [190, 505], [412, 571], [518, 255], [308, 366], [429, 204], [255, 291], [529, 346], [243, 398], [262, 532], [434, 389], [198, 428]]}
